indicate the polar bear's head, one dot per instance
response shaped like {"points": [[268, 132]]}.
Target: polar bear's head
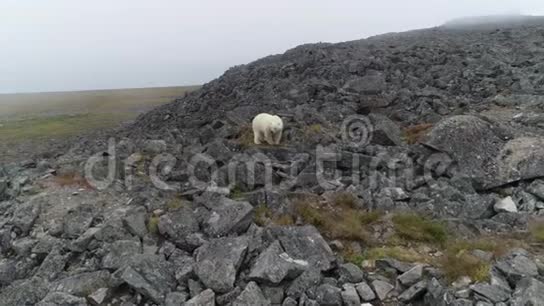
{"points": [[276, 126]]}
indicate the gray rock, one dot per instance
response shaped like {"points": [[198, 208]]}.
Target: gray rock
{"points": [[365, 292], [112, 231], [400, 266], [175, 299], [25, 292], [4, 189], [329, 295], [506, 205], [177, 225], [250, 296], [289, 301], [153, 146], [495, 294], [229, 217], [78, 220], [184, 265], [525, 164], [83, 241], [469, 140], [149, 275], [229, 297], [275, 294], [435, 293], [26, 214], [414, 292], [309, 279], [119, 253], [99, 297], [61, 298], [537, 189], [372, 83], [305, 242], [350, 296], [195, 287], [411, 276], [135, 221], [205, 298], [274, 265], [83, 284], [517, 267], [217, 262], [8, 271], [53, 264], [350, 273], [385, 132], [529, 291], [382, 288]]}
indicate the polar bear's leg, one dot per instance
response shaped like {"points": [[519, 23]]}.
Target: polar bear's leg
{"points": [[257, 137], [277, 137], [269, 137]]}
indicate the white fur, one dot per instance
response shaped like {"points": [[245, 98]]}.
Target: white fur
{"points": [[267, 128]]}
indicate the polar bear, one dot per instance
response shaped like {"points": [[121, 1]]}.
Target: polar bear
{"points": [[267, 128]]}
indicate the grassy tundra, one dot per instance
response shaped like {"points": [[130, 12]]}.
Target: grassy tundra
{"points": [[60, 114], [38, 123]]}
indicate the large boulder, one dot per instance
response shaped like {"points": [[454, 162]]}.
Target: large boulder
{"points": [[26, 214], [218, 261], [483, 151], [227, 217], [305, 242], [83, 284], [274, 265], [25, 292], [252, 295], [529, 291], [472, 142], [177, 225], [520, 159], [149, 275]]}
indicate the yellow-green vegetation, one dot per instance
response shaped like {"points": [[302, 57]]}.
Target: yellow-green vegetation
{"points": [[397, 252], [459, 259], [417, 228], [456, 265], [263, 216], [345, 199], [62, 114], [341, 221], [284, 220], [153, 225], [415, 133], [537, 232], [175, 203], [236, 193], [313, 129], [245, 136], [57, 126]]}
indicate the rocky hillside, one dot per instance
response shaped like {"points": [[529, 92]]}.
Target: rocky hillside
{"points": [[410, 173]]}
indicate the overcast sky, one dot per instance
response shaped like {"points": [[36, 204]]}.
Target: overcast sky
{"points": [[57, 45]]}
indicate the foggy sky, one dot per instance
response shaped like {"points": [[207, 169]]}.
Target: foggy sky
{"points": [[57, 45]]}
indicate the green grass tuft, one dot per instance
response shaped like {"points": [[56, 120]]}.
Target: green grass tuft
{"points": [[417, 228], [153, 225]]}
